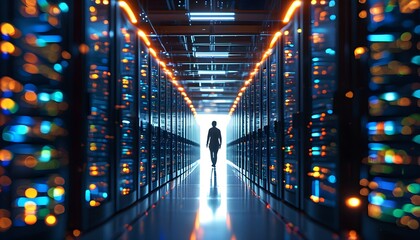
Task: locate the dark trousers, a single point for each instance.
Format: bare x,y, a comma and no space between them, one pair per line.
213,155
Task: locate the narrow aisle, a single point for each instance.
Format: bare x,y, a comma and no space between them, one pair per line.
209,204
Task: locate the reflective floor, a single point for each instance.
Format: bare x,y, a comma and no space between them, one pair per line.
209,203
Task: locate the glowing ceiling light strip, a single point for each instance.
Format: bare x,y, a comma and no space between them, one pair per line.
210,18
144,37
128,11
212,14
291,10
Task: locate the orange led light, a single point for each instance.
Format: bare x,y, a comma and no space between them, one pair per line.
353,202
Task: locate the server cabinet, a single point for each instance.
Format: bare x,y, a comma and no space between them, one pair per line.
168,129
264,126
144,139
292,112
257,130
332,166
162,128
98,179
273,127
391,174
174,132
34,97
154,124
126,111
179,133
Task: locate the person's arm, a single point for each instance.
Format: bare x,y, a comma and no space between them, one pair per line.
220,142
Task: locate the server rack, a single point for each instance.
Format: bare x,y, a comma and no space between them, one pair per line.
175,154
391,172
292,112
273,127
162,128
264,125
98,181
154,125
257,130
333,169
126,111
144,147
168,129
33,120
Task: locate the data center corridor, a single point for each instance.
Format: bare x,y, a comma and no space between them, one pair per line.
105,106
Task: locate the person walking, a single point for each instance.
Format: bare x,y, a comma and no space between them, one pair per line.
214,142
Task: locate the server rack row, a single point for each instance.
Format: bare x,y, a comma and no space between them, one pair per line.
90,122
330,125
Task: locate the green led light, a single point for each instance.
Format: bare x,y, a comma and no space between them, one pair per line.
414,187
398,213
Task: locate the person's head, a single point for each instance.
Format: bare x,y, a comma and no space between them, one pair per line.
214,123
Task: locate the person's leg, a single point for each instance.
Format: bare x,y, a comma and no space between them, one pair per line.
212,156
215,156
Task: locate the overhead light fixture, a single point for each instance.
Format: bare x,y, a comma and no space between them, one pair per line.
212,90
211,54
208,72
212,16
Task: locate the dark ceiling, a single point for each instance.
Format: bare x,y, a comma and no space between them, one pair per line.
196,49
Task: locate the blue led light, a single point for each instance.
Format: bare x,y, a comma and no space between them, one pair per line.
316,134
50,38
390,96
87,195
57,96
58,68
386,185
41,187
63,6
20,202
330,111
41,42
44,97
315,59
20,129
316,153
376,200
30,87
416,60
416,139
332,179
40,28
317,81
316,148
316,188
104,195
381,38
330,51
316,116
331,3
373,100
417,29
45,127
416,94
389,128
333,17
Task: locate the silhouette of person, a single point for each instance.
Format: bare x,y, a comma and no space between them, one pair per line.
214,142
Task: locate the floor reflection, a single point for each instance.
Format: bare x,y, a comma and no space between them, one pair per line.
213,199
212,192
